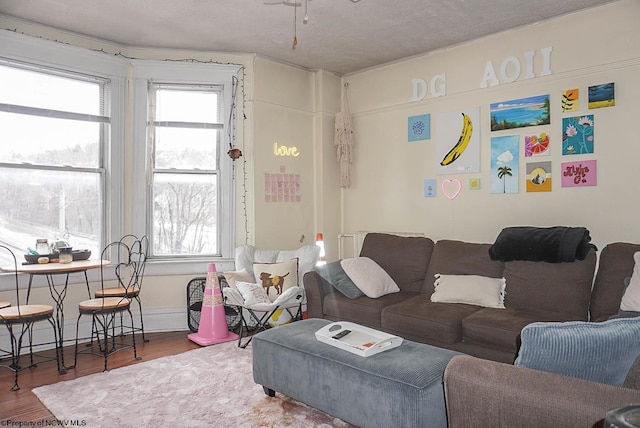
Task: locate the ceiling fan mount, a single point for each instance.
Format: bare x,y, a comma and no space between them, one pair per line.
295,4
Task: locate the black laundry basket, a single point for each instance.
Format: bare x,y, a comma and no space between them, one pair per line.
195,293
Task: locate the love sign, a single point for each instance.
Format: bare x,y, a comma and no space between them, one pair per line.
282,150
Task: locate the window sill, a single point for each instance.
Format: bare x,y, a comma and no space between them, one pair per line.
153,268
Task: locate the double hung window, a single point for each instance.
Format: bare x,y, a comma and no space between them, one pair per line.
53,128
184,140
181,133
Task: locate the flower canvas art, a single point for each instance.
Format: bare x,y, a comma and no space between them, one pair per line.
570,100
578,135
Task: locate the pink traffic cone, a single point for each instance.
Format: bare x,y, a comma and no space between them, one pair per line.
213,321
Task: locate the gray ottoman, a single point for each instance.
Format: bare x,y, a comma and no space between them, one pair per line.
401,387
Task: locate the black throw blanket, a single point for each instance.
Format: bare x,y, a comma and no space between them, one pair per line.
540,244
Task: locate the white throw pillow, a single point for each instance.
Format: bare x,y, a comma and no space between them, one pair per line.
631,297
238,275
369,277
470,289
276,277
252,293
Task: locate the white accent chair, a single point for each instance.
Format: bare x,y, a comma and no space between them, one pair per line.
292,299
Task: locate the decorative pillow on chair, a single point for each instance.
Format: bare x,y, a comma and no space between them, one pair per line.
239,275
369,277
252,294
598,351
247,255
470,289
335,274
307,256
276,277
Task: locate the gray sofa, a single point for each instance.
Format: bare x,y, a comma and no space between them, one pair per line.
535,291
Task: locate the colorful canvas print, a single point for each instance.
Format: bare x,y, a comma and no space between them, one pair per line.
531,111
538,177
430,188
419,127
474,184
580,173
577,135
570,100
536,145
602,95
504,164
458,141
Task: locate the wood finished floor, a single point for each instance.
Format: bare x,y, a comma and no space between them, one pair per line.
24,406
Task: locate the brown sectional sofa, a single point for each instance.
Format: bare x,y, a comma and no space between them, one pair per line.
483,393
535,291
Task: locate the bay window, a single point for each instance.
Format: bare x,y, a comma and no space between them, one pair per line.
66,159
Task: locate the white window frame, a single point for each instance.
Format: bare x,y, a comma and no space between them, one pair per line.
182,73
48,54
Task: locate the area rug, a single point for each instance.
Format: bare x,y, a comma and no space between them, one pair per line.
207,386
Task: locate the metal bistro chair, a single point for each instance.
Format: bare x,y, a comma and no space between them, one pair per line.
130,287
103,310
19,320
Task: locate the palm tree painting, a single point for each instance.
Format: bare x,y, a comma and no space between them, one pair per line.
504,164
503,172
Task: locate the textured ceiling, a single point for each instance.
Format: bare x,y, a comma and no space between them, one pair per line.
341,36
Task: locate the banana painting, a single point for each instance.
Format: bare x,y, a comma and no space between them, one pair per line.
463,141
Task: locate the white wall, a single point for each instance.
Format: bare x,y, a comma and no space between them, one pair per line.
327,170
283,115
592,47
295,107
282,104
